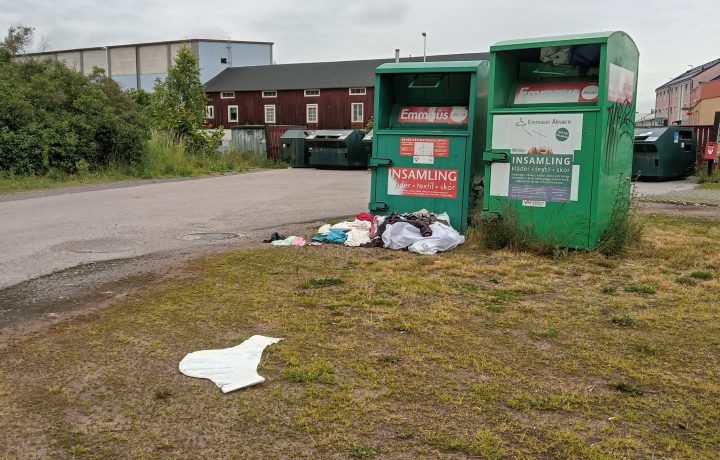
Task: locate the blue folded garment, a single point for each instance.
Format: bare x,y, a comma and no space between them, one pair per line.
335,237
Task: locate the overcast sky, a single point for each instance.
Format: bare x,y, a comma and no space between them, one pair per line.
670,34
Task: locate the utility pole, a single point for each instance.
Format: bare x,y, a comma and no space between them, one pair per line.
424,35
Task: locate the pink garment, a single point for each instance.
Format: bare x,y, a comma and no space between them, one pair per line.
299,241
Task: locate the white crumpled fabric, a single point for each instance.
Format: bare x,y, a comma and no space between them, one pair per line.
324,230
403,235
356,237
229,368
347,226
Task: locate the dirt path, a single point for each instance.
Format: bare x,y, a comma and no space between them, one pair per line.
678,210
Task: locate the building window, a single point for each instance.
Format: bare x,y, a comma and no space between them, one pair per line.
357,112
269,94
233,113
269,114
209,111
311,110
358,91
227,95
312,92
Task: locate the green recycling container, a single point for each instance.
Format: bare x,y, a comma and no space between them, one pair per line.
336,149
664,153
293,149
560,135
428,137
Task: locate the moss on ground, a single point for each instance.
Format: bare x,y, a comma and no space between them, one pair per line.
471,353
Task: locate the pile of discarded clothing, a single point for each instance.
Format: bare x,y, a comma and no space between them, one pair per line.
277,239
421,232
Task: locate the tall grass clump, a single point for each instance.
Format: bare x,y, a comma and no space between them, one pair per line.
625,227
164,155
705,178
507,231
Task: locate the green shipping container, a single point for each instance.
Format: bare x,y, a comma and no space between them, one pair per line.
429,119
664,153
560,134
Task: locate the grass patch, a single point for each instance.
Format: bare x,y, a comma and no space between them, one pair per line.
625,229
551,402
702,274
622,320
468,379
640,288
706,181
362,452
545,334
321,282
608,289
709,186
624,387
484,443
495,308
506,295
686,281
319,373
405,433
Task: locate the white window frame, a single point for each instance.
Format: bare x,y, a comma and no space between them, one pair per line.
312,95
307,113
269,93
231,95
237,114
360,91
274,113
210,111
352,112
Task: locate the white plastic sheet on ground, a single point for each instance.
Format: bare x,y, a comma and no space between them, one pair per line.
229,368
404,235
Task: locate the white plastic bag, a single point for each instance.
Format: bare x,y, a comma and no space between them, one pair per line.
229,368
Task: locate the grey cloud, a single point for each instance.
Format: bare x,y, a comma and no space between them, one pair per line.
335,29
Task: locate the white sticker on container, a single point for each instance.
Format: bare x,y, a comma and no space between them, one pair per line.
538,133
499,179
534,204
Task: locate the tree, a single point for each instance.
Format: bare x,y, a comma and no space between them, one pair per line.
52,117
178,103
18,38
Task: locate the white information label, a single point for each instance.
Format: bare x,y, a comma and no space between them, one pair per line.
533,204
424,159
424,153
538,133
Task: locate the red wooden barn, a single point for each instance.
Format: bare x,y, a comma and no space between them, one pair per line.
319,95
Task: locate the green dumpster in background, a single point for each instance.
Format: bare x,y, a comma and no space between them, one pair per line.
664,153
560,134
336,149
429,119
293,148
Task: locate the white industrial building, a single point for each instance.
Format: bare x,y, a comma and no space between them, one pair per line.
139,65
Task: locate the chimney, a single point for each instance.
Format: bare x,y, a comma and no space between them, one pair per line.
397,54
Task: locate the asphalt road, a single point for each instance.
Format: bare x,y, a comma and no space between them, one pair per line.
43,234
